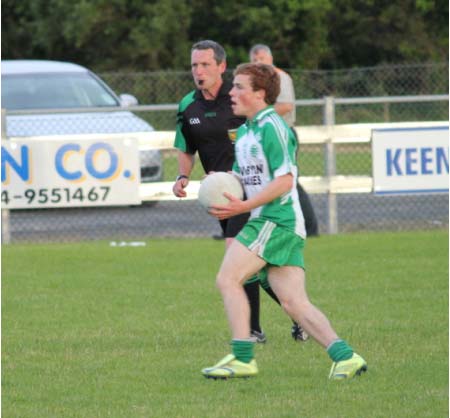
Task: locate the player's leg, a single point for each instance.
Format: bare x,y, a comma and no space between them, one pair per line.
297,332
251,287
288,282
238,265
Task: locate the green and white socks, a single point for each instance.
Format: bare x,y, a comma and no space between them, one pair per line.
242,350
339,350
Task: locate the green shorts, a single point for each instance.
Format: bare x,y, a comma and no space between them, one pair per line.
275,245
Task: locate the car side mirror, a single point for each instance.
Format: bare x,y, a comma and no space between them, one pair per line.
127,100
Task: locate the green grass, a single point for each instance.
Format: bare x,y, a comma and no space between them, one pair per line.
90,330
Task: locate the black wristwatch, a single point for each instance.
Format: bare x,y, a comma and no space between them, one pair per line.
181,176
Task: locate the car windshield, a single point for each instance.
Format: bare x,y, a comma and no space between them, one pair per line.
54,91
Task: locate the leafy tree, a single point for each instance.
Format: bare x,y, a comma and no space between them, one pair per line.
108,35
294,29
103,34
369,32
32,29
131,34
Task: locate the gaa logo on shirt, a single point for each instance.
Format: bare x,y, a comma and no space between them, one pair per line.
253,151
194,121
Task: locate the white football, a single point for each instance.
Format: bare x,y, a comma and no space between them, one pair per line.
214,185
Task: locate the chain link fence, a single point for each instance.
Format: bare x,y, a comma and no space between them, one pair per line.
393,80
177,218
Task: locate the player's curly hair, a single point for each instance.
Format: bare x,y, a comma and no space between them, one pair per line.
262,77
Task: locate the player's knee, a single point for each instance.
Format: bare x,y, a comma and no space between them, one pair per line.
222,282
225,282
292,304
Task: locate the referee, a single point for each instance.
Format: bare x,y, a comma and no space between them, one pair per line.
203,121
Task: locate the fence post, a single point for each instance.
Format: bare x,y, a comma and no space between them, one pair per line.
330,165
386,112
6,233
3,123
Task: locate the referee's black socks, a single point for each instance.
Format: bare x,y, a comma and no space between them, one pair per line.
252,291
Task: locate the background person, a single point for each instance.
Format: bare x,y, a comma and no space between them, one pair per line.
273,238
285,107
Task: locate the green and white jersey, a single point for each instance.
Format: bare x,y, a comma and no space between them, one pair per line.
265,149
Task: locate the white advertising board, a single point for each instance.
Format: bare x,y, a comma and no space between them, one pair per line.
68,173
410,160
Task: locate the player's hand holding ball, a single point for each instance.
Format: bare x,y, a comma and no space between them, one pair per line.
221,194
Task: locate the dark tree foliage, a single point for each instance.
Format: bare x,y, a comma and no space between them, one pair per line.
142,35
367,32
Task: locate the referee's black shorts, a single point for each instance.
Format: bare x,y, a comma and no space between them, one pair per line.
232,226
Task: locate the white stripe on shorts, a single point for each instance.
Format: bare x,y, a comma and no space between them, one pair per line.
263,237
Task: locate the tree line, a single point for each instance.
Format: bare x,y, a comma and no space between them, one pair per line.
152,35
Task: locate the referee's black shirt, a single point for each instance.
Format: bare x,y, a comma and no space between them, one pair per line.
202,125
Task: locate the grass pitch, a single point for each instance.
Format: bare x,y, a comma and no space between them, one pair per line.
90,330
